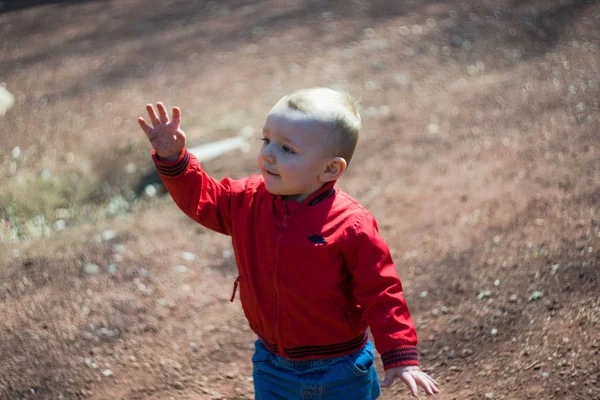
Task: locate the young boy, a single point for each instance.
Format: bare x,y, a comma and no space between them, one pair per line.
314,273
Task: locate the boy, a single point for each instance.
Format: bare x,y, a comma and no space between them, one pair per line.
314,272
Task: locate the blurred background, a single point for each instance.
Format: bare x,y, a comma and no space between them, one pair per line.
479,157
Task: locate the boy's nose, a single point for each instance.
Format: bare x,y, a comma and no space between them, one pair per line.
267,153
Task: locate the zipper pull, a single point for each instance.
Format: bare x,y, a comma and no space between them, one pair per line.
235,286
285,221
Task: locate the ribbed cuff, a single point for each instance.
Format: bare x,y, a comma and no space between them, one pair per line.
400,357
171,168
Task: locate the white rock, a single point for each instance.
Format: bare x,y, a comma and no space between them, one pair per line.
536,295
131,168
215,149
107,372
117,205
433,129
59,225
7,100
15,152
91,269
227,253
181,268
46,174
112,268
108,235
150,190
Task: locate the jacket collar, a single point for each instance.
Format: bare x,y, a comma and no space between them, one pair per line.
315,197
281,207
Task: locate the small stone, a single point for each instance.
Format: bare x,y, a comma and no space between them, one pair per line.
494,331
91,269
112,268
108,235
424,293
513,298
433,129
536,296
59,225
107,372
150,191
15,152
46,174
181,269
179,386
227,253
131,168
484,294
233,371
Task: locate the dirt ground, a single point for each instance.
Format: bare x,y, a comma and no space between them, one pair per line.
480,158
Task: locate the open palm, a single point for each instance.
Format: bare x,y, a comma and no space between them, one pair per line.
167,139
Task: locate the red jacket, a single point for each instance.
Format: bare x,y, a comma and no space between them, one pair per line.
312,276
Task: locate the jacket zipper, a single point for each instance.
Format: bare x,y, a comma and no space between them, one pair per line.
276,285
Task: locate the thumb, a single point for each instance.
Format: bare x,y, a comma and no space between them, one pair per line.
389,378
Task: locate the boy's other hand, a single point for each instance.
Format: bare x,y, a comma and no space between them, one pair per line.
412,376
167,139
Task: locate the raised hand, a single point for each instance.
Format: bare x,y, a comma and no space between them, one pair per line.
167,139
411,376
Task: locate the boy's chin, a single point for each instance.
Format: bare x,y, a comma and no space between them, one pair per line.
276,191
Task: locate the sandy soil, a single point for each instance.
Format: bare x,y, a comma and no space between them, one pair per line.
479,157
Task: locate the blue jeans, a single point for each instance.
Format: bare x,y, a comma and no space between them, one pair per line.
351,377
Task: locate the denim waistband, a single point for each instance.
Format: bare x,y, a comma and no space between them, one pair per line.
302,365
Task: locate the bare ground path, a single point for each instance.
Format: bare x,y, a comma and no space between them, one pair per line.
479,158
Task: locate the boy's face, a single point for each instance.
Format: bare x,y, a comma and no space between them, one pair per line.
294,155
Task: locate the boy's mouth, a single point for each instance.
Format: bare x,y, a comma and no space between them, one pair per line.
267,172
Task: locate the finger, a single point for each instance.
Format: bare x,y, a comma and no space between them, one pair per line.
176,116
426,383
410,382
433,381
162,111
147,128
152,114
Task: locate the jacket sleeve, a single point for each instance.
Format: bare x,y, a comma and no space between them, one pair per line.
201,197
378,290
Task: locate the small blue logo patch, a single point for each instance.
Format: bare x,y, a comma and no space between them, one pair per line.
317,239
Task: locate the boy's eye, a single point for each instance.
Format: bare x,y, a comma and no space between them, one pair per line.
266,140
287,149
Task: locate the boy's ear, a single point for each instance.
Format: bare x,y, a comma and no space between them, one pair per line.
334,169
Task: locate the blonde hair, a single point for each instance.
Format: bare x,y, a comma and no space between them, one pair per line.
333,107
